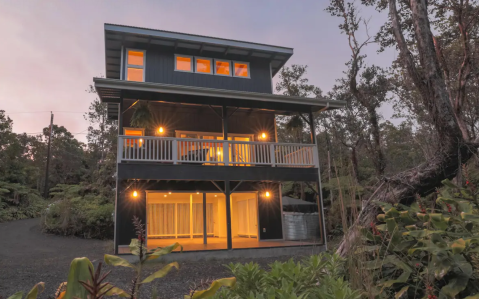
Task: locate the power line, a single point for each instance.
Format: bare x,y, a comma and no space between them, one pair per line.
26,112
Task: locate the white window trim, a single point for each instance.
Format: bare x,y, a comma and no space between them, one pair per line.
191,63
216,134
143,67
222,60
242,62
211,66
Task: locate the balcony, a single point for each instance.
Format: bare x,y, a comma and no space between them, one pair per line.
215,152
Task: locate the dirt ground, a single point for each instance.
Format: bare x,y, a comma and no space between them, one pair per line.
28,256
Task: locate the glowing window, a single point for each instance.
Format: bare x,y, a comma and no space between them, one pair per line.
222,68
133,132
203,65
241,69
183,63
135,65
136,58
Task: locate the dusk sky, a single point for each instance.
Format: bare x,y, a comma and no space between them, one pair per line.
52,49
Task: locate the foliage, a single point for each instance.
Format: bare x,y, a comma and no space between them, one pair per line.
19,202
142,116
79,210
318,276
428,250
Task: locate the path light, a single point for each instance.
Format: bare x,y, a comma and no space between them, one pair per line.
135,193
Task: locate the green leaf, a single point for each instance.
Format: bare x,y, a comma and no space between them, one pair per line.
455,285
117,261
465,206
401,292
458,246
135,247
392,213
442,263
382,227
438,221
381,217
449,184
79,270
473,297
470,217
224,282
161,273
463,264
410,227
17,295
406,218
156,253
407,270
423,217
37,289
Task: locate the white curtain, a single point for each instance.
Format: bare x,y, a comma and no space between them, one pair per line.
161,219
183,219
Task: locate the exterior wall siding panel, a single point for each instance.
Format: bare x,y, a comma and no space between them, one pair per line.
160,68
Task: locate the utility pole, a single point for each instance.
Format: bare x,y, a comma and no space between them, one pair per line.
45,191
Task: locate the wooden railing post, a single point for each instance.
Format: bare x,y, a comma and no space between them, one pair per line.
119,153
315,156
226,153
174,148
272,154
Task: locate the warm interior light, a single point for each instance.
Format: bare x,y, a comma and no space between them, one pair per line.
216,195
135,194
165,195
169,192
160,130
267,194
219,153
197,192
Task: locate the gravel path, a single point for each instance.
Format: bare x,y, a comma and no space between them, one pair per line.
28,256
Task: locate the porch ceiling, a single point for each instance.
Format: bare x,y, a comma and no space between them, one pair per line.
112,90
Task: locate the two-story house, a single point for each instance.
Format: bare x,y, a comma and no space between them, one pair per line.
207,169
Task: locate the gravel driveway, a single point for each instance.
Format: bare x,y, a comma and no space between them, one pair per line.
28,256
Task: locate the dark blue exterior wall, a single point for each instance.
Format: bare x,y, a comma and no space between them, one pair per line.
160,68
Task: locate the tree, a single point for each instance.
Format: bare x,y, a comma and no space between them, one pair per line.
409,29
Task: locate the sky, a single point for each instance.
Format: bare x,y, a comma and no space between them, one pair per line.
52,49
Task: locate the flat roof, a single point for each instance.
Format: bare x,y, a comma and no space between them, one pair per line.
117,35
112,90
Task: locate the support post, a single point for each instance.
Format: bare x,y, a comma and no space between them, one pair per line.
174,149
45,191
118,185
226,158
205,233
229,237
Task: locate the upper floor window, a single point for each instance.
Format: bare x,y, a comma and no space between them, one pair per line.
203,65
241,69
222,67
183,63
135,65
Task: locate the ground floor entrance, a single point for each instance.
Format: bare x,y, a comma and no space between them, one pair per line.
198,221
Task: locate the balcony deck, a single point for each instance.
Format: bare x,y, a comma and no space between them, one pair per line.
208,152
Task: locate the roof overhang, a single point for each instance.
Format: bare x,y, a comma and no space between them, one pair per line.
117,35
112,91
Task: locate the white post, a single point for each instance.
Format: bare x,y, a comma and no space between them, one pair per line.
175,151
315,156
119,153
226,153
271,153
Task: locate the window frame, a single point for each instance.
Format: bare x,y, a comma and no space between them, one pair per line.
242,62
223,60
127,65
192,63
211,65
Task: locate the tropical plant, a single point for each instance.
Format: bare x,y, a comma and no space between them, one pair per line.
142,116
318,276
425,251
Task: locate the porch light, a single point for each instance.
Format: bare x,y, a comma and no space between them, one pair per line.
169,192
197,192
135,193
267,194
263,136
160,130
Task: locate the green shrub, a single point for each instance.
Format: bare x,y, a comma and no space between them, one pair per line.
428,251
76,212
19,202
318,276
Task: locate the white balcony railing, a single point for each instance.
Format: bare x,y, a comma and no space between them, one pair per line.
215,152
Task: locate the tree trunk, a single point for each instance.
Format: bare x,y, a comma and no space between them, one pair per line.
354,162
426,177
380,163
